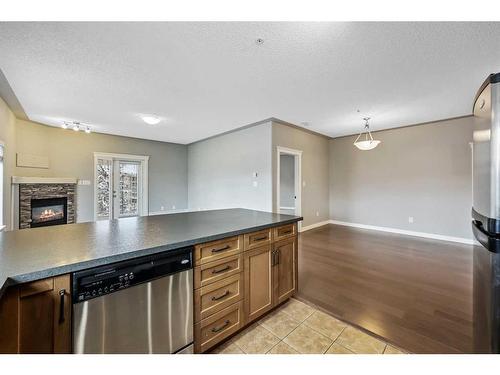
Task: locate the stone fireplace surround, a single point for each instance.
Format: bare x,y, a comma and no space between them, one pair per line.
40,188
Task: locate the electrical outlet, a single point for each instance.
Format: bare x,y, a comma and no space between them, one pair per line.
162,208
317,213
410,219
173,207
255,184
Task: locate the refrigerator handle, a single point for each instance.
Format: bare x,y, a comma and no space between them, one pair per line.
479,233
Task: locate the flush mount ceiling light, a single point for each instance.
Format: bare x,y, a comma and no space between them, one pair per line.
151,119
259,41
368,143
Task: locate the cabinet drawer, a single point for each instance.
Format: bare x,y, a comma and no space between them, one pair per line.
257,239
217,327
284,231
209,273
210,251
215,297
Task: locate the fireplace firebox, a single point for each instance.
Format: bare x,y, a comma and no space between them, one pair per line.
49,211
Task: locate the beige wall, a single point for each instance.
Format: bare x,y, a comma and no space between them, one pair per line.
315,172
7,136
71,155
420,171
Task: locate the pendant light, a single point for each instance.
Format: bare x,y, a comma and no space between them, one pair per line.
368,143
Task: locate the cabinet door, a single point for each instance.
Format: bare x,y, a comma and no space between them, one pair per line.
258,282
285,269
44,316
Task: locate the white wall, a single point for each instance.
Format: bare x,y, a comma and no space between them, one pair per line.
220,170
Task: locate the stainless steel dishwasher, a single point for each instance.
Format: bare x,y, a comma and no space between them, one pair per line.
144,305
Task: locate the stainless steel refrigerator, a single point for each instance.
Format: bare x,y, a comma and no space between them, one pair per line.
486,216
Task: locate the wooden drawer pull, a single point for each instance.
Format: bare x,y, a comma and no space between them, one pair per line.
217,329
225,294
261,238
220,249
288,231
221,270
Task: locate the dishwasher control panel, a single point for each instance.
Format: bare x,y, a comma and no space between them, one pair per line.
107,279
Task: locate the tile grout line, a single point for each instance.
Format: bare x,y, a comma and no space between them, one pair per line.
334,341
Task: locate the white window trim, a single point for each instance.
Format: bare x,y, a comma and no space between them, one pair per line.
298,178
144,160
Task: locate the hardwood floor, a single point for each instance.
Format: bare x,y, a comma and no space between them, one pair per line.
413,292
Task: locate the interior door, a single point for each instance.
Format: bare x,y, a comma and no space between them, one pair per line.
126,188
285,269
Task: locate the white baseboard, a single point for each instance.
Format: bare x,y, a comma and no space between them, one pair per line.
466,241
165,212
316,225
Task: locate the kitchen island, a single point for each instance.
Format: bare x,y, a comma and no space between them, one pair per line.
36,264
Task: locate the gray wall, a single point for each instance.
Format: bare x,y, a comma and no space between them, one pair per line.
420,171
287,181
315,172
221,170
71,155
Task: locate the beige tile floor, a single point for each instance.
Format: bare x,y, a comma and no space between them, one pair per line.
297,328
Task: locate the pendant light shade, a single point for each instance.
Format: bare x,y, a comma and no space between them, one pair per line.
367,142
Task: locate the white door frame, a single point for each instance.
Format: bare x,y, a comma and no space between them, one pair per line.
298,178
144,161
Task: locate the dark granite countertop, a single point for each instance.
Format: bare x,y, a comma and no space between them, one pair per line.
33,254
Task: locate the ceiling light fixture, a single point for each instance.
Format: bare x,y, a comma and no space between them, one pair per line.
76,126
259,41
151,119
369,143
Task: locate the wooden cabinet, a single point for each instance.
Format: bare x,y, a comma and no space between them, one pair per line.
270,274
210,251
37,317
217,327
284,269
284,231
258,282
214,297
257,239
239,279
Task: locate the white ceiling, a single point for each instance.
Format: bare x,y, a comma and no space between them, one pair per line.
207,78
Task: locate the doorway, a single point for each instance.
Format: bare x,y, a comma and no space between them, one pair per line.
288,181
120,186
